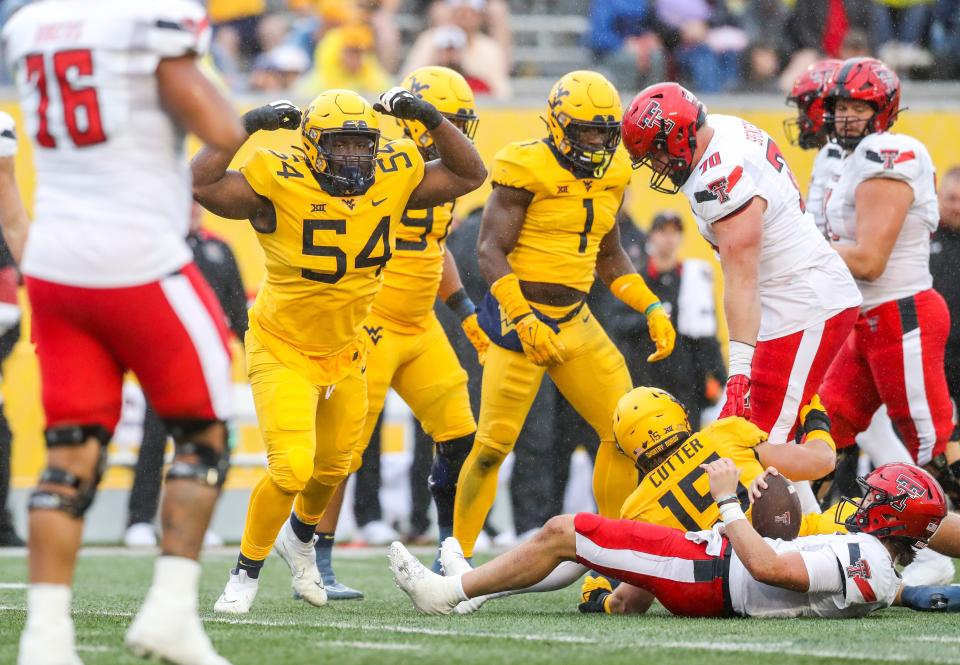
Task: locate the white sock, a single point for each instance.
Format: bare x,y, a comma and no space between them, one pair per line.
176,577
48,603
458,587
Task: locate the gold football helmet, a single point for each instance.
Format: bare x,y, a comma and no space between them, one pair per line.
648,424
583,116
450,93
340,133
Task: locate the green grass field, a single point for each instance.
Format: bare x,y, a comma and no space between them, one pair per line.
527,630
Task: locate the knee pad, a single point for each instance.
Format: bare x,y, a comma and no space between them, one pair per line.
76,505
290,469
211,466
948,475
447,462
333,471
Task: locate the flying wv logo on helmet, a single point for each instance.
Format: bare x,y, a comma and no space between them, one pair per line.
910,490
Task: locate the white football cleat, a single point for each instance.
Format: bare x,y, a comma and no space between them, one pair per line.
238,595
302,560
929,568
168,628
140,534
430,593
48,644
378,533
455,564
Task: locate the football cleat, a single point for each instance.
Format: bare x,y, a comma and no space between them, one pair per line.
168,628
929,568
430,593
454,564
140,534
594,594
50,643
238,595
302,560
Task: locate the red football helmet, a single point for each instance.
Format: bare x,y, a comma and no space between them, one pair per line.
868,80
899,500
660,131
806,130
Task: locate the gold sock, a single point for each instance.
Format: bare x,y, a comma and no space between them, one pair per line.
269,507
476,492
614,479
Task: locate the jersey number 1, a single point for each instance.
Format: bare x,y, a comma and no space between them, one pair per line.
77,102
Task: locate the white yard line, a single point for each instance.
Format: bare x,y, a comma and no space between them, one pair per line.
787,649
376,646
12,585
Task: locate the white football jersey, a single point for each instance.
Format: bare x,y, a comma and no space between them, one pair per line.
867,580
802,280
898,157
113,183
826,170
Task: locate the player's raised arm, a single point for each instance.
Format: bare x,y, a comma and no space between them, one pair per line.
618,273
739,241
13,216
459,170
788,570
815,457
226,192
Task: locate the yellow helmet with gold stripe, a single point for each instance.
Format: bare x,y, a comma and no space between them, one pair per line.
340,133
583,116
648,424
450,93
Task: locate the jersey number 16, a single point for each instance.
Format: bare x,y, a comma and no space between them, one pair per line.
81,108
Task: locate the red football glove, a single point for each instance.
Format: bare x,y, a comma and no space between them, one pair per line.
738,397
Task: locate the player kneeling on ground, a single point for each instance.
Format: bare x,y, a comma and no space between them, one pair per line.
734,572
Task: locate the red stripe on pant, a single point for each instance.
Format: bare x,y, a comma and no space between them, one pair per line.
775,361
895,356
675,570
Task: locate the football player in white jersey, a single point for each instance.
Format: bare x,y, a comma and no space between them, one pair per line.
720,573
108,88
789,300
881,212
807,131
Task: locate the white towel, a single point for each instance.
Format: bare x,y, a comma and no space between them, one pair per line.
698,311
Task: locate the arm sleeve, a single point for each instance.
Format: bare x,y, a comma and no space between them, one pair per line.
884,157
177,28
823,570
259,173
510,170
723,191
8,136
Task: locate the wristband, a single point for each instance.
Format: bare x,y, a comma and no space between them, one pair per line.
632,290
652,308
741,358
730,498
460,304
731,512
507,292
821,435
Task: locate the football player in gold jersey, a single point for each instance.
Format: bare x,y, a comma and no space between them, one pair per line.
548,227
653,432
326,214
409,350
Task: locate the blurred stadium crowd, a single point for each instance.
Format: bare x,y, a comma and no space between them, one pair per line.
304,46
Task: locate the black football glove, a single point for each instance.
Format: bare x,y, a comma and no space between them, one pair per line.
403,104
281,114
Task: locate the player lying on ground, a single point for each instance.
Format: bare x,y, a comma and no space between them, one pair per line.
735,572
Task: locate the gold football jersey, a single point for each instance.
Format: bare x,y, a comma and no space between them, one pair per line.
567,217
411,279
326,257
677,493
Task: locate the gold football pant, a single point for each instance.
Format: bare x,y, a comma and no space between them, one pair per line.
425,372
310,432
593,378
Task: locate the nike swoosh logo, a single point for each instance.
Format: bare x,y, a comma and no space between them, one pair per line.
376,203
585,318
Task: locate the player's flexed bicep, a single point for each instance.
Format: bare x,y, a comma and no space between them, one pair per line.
500,227
459,170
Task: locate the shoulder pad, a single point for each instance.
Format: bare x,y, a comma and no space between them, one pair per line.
516,164
722,190
175,28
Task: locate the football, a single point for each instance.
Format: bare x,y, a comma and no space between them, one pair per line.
776,513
